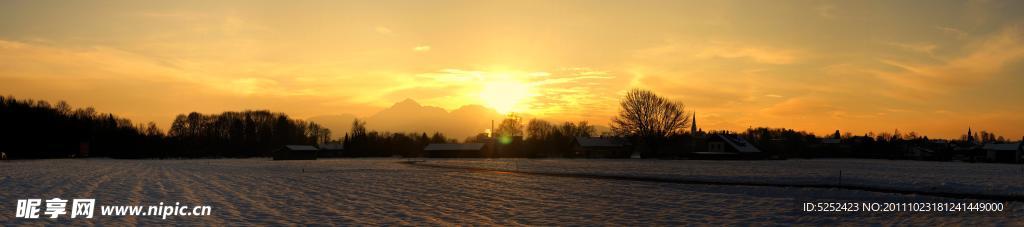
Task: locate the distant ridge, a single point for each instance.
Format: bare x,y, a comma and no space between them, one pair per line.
410,116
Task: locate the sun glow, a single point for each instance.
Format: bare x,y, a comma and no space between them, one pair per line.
507,95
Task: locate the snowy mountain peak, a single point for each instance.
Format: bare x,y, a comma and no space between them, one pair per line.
408,102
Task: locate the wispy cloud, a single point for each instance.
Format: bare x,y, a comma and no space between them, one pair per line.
711,50
737,65
957,33
924,47
765,55
200,22
988,58
826,11
383,30
565,93
101,74
799,106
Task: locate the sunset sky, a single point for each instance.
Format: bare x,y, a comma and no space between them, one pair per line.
934,67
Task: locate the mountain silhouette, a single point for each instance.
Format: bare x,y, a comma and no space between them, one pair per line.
410,116
338,124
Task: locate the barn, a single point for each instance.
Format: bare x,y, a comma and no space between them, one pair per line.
1004,152
296,152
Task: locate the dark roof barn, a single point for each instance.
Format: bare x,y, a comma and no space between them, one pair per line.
296,152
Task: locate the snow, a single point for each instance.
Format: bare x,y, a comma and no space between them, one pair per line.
921,176
385,191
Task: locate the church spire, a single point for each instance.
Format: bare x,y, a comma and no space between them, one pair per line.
970,138
693,124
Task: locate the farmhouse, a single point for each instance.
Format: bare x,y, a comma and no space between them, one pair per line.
599,147
723,146
454,150
1004,152
296,152
829,147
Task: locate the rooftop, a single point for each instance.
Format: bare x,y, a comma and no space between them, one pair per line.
300,147
454,147
1002,146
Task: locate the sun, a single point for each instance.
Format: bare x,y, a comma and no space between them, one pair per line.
507,95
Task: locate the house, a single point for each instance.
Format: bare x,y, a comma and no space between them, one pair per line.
83,149
296,152
933,150
1004,152
330,150
829,147
921,153
599,147
968,153
968,150
723,146
454,150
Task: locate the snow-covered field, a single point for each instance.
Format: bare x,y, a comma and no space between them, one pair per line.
385,191
921,176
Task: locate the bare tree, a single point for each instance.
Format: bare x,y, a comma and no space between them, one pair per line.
63,107
358,128
538,128
583,128
646,114
152,130
511,126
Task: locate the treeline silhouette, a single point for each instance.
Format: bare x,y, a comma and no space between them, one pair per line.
37,129
249,133
543,138
546,140
788,143
360,142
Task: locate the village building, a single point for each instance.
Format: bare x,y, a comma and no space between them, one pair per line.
829,147
968,153
1004,152
83,150
454,150
724,146
934,150
296,152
